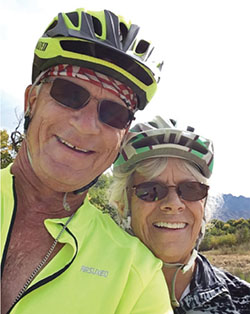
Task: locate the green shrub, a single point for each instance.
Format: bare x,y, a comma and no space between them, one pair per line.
231,233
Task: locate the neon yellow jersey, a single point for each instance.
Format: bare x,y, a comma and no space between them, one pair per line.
100,269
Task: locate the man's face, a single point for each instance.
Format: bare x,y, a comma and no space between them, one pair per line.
68,147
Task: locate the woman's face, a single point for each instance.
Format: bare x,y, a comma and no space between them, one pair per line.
168,227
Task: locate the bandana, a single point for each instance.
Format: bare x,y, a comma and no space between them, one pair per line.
101,80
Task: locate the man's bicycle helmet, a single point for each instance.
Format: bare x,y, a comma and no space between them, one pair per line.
103,42
159,138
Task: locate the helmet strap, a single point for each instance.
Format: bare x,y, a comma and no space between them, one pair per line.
86,187
201,234
27,120
184,268
126,210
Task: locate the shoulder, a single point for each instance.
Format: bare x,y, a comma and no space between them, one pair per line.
237,287
6,183
110,233
6,173
139,270
234,283
216,290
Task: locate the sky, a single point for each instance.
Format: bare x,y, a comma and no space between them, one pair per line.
205,79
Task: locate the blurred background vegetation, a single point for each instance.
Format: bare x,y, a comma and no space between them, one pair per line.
220,234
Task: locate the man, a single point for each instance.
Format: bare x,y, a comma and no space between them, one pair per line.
59,253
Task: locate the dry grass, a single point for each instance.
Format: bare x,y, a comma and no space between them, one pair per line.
236,261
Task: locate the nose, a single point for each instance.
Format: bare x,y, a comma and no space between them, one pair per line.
172,203
85,120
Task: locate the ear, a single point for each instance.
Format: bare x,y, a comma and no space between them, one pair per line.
29,97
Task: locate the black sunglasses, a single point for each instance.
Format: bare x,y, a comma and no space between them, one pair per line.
155,191
71,95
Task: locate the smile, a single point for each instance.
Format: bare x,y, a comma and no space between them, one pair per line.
76,148
170,225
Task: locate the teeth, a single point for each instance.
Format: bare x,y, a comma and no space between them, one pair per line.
72,146
169,225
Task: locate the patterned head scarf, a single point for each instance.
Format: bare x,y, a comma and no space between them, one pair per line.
112,85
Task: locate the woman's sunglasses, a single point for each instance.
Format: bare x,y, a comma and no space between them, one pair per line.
155,191
71,95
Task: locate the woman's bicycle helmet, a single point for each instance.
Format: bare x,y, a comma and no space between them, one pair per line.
159,138
103,42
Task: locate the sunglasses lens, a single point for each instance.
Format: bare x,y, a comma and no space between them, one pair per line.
114,114
192,191
74,96
69,94
155,191
151,191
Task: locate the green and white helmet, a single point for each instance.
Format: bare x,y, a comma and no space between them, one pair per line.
160,138
103,42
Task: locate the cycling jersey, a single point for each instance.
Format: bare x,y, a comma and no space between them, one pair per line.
213,290
100,269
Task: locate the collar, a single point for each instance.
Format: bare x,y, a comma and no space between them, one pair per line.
205,285
76,228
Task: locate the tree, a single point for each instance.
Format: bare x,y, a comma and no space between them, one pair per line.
10,146
243,234
6,149
99,195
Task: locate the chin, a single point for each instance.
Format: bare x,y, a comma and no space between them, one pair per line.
61,179
174,256
60,186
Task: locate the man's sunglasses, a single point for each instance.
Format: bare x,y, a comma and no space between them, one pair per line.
71,95
155,191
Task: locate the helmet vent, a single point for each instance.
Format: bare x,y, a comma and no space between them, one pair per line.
97,26
123,32
103,53
142,46
183,140
199,148
52,25
153,124
74,19
172,138
149,141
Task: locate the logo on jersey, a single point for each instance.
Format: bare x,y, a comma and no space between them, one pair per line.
94,271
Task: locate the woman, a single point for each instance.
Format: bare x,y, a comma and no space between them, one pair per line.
160,189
